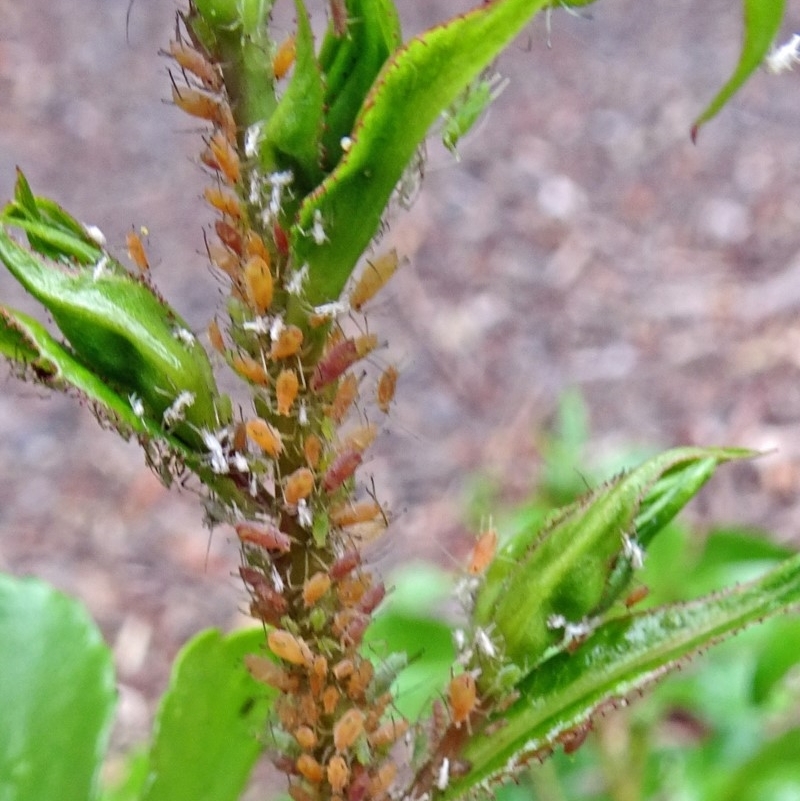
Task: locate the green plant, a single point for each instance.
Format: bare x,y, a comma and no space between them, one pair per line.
305,167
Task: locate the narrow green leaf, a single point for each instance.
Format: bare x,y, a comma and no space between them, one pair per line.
762,21
619,659
415,86
206,734
56,695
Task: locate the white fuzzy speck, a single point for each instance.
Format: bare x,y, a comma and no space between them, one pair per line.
295,284
100,267
219,464
136,404
304,516
177,411
443,778
252,137
783,58
317,230
633,551
485,644
345,143
184,335
95,234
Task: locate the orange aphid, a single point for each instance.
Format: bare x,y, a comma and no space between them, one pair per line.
298,793
636,595
312,450
194,61
333,363
198,104
305,737
225,158
463,695
267,672
346,393
360,438
286,388
258,283
330,698
254,246
224,202
267,437
288,343
387,384
483,552
341,469
351,589
352,514
136,251
284,57
341,670
264,535
309,768
383,780
373,279
299,485
348,729
289,648
215,337
319,672
359,681
388,733
247,367
229,236
573,739
224,260
315,587
338,773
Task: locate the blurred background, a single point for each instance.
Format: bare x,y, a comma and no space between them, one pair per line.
582,242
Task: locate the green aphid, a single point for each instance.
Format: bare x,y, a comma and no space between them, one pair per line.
469,106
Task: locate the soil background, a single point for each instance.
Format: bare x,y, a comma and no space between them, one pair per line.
582,242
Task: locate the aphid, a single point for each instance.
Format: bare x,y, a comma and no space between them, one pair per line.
267,672
373,279
348,729
315,587
338,773
195,62
289,648
573,739
229,236
215,337
254,246
247,367
341,469
199,104
339,17
258,283
462,693
351,589
298,793
387,733
136,251
224,260
225,158
288,343
383,780
267,437
224,202
284,57
346,393
387,384
359,682
305,737
344,564
264,535
636,595
360,438
307,709
281,239
352,514
287,386
372,598
330,699
309,768
343,669
354,632
483,552
312,450
339,358
299,485
469,106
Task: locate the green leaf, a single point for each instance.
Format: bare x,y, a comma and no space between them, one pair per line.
418,82
618,660
56,695
762,21
206,734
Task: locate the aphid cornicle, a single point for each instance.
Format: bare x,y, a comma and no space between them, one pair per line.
136,251
373,279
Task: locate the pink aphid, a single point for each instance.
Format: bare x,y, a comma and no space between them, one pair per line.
342,468
264,535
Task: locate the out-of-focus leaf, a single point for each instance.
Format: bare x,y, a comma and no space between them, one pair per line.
762,20
56,695
206,734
